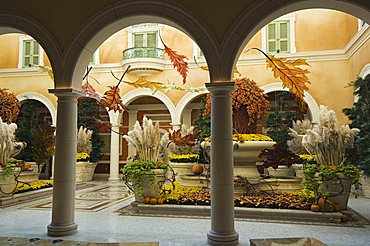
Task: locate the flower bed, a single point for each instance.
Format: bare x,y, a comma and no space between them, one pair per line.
41,184
193,196
184,158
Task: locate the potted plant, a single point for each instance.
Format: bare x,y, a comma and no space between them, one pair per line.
331,176
250,106
43,144
146,175
278,161
296,132
84,169
88,117
360,115
8,148
184,150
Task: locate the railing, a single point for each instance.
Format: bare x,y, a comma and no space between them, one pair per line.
143,52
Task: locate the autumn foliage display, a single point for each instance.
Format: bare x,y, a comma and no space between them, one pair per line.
9,106
249,103
178,62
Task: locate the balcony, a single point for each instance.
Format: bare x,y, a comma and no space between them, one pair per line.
144,61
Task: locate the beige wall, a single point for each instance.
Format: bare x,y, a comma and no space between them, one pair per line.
9,46
111,50
323,29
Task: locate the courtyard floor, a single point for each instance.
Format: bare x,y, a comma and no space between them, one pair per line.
99,221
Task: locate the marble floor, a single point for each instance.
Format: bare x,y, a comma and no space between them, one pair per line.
102,224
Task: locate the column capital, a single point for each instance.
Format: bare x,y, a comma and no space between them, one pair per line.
221,87
66,92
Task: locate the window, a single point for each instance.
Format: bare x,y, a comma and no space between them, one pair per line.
144,40
30,52
278,36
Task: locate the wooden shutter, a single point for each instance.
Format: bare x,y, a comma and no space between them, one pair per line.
283,41
138,40
151,40
271,38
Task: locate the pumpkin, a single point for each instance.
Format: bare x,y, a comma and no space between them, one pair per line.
153,201
315,208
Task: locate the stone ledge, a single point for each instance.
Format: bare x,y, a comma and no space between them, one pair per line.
304,241
243,213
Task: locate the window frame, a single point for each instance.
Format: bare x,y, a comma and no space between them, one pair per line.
21,54
291,19
145,28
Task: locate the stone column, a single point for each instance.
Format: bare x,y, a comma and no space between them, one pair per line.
175,126
222,185
114,147
186,117
63,210
132,118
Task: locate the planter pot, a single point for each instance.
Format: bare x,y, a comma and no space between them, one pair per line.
246,156
181,168
281,184
281,171
194,181
28,176
81,167
298,168
151,189
365,183
7,183
338,192
89,171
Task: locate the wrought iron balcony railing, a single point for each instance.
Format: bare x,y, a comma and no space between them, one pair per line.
143,52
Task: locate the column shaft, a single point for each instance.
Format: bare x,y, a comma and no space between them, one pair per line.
114,154
222,184
63,209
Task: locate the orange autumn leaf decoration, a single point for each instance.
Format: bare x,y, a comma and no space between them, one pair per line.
189,139
143,82
293,77
112,99
90,91
178,61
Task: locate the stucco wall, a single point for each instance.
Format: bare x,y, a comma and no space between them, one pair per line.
9,46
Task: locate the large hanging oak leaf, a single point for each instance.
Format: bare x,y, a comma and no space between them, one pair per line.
293,77
90,91
142,82
178,62
112,99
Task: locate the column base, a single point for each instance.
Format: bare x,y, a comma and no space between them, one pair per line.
114,180
215,238
62,230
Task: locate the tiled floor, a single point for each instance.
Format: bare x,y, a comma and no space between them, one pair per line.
104,226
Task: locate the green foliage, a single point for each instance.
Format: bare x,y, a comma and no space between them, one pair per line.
27,121
280,119
360,115
7,169
203,121
43,143
135,173
88,112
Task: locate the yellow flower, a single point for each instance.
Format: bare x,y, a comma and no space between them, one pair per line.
247,137
184,157
82,156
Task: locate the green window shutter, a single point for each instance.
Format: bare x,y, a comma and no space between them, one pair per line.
138,40
31,53
271,38
283,41
200,53
151,40
278,37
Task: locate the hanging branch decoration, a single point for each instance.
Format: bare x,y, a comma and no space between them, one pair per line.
143,82
189,139
178,61
88,88
205,68
48,70
293,77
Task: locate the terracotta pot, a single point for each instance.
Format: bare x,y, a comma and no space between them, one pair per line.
197,169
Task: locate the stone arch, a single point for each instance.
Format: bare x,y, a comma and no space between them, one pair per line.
185,100
43,100
252,19
365,71
134,94
123,14
313,107
15,22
